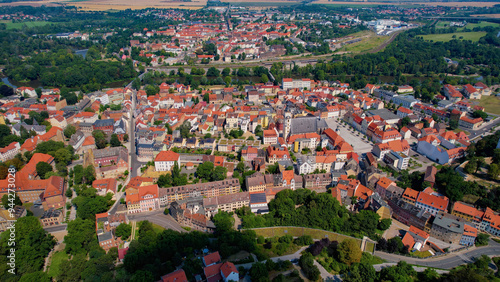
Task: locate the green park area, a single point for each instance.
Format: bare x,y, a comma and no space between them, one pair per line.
491,104
445,37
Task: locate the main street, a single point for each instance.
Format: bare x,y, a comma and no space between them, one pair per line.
448,261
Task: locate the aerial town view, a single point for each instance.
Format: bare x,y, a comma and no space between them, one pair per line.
246,140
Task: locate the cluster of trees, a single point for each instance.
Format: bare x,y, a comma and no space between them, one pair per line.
260,271
81,175
414,180
63,155
313,210
451,184
64,68
32,246
207,171
311,271
155,254
101,139
88,203
393,245
175,179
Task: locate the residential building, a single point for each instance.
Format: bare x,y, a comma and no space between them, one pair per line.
165,160
227,203
447,228
469,236
277,153
176,276
142,199
208,189
397,160
469,123
51,217
9,152
431,201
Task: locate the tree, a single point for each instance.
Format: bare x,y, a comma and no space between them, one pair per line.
400,272
482,239
213,72
8,204
63,156
115,142
42,168
360,272
471,166
494,171
259,272
479,114
69,193
223,222
205,170
100,139
349,252
384,224
69,131
264,78
124,231
405,121
311,271
165,181
33,244
89,174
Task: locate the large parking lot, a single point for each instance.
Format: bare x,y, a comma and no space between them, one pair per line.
354,138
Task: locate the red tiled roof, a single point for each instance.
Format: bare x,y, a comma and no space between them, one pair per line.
176,276
211,258
167,156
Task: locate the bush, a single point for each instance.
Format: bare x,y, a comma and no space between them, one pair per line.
304,240
482,239
310,270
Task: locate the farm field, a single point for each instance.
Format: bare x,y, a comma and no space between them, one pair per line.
11,25
474,36
496,16
450,4
104,5
260,3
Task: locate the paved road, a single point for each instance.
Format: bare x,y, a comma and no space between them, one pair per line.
483,129
379,267
157,217
449,261
57,228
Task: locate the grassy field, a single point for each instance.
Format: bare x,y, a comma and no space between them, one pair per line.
55,261
314,233
491,104
421,254
474,36
158,229
364,45
444,24
11,25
